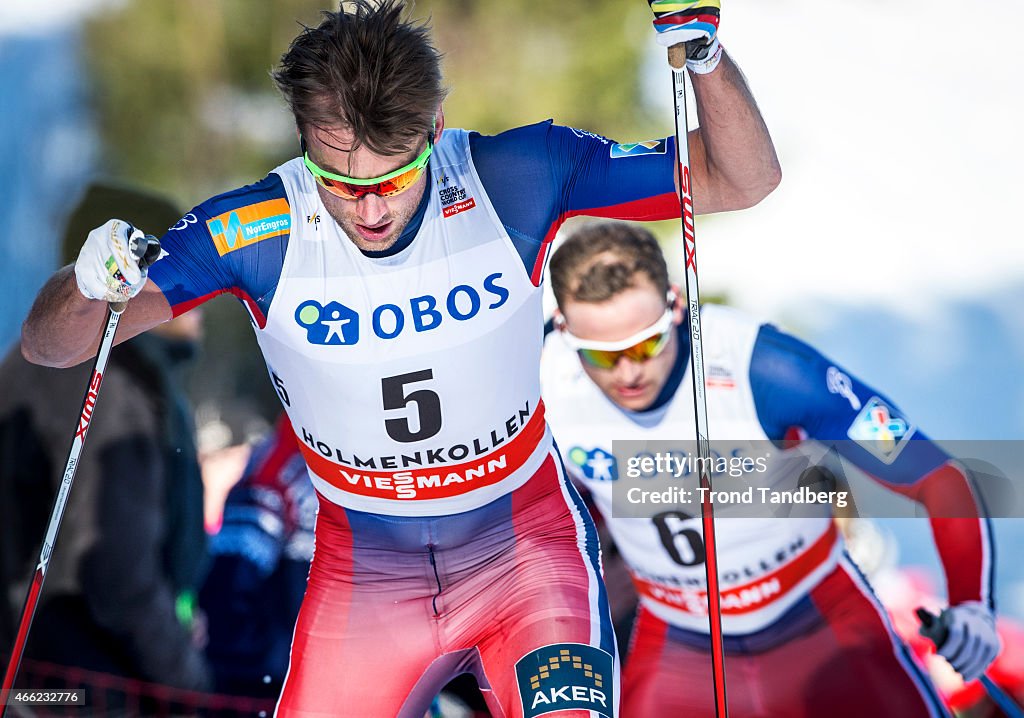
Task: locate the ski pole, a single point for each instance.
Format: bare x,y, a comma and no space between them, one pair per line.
146,252
677,60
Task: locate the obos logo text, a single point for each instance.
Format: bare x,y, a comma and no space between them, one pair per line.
335,324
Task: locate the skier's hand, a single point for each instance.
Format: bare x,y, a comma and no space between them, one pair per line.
108,266
972,643
694,22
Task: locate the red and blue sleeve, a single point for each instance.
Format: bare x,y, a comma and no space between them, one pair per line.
234,243
540,175
796,389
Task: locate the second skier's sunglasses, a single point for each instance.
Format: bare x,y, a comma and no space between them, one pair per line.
388,185
640,347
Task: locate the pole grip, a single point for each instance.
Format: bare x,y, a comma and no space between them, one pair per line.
933,627
677,56
146,252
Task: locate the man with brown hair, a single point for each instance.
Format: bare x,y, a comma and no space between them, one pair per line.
392,273
804,634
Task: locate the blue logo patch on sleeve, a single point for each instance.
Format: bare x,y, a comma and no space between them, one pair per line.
636,149
881,430
566,676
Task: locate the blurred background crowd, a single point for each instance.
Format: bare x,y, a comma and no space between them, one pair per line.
892,244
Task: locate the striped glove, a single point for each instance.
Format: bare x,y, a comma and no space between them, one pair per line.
694,22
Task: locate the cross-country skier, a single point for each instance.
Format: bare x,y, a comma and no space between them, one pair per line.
804,634
392,273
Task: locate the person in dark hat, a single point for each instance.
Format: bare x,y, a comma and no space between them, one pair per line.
119,596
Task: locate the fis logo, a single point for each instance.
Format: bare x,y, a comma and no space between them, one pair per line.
565,676
249,224
596,464
334,324
881,430
454,199
314,219
329,324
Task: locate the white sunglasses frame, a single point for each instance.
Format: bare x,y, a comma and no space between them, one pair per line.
663,325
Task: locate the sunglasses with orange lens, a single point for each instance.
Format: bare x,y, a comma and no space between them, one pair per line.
640,347
388,185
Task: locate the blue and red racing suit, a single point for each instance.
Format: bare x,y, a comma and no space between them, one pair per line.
804,634
448,539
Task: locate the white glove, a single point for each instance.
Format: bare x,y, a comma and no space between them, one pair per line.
107,268
973,642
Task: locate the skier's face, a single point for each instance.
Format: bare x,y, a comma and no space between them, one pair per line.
631,383
373,222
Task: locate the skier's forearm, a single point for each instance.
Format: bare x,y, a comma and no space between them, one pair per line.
63,327
960,529
961,532
732,156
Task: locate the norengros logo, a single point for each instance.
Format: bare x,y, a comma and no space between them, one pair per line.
249,224
335,324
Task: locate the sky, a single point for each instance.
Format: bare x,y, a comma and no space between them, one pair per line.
901,153
29,17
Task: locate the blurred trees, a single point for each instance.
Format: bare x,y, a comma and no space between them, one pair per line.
185,106
185,103
513,63
182,95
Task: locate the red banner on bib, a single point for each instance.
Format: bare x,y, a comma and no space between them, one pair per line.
424,483
748,597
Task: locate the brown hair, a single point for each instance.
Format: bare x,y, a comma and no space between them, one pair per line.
601,259
368,68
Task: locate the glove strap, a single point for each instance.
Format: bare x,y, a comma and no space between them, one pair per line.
706,59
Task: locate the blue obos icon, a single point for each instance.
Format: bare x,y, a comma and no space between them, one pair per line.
566,676
329,324
596,464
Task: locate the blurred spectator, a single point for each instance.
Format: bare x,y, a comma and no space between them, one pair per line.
261,558
222,467
120,591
